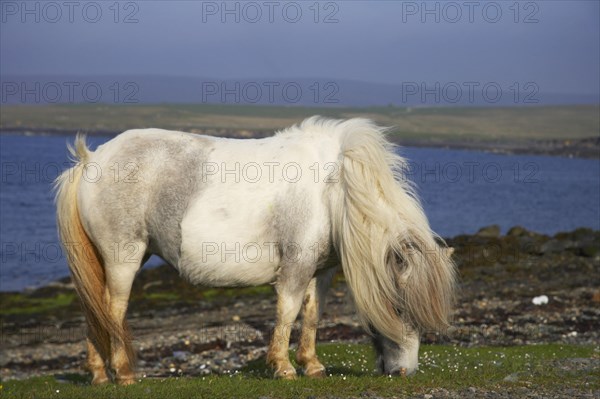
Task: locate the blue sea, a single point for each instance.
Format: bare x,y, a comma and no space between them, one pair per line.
461,191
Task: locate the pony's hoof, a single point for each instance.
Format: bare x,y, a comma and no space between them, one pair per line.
125,381
100,380
315,372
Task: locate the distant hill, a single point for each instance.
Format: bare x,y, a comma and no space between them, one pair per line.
318,92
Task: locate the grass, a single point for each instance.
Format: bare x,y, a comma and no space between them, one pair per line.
446,124
24,304
350,368
21,304
210,294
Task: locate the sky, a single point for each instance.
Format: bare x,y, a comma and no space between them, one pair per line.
552,43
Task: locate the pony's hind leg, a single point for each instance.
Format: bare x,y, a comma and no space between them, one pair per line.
314,300
119,279
95,364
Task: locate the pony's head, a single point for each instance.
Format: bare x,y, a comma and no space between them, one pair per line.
401,358
397,358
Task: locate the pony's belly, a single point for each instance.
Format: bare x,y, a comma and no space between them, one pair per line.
227,238
222,263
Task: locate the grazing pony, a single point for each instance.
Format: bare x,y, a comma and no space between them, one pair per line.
284,210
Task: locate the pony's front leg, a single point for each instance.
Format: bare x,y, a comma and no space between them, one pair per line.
314,301
291,285
288,307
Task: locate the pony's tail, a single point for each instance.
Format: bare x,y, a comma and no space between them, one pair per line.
397,272
83,257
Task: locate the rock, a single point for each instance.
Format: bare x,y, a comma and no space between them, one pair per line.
554,246
582,234
530,244
585,241
489,231
181,355
590,251
518,231
540,300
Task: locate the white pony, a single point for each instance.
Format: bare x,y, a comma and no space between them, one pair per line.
284,210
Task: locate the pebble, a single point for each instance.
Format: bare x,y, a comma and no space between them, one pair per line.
511,378
540,300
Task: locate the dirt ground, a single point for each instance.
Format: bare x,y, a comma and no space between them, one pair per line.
184,330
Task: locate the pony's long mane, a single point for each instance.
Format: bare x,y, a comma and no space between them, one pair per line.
394,266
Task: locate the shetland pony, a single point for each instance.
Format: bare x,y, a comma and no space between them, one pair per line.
284,210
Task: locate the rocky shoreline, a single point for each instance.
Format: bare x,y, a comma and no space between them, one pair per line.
185,330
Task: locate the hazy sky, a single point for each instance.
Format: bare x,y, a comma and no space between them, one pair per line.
553,43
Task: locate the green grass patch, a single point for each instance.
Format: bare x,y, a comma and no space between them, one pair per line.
48,304
204,294
162,296
22,304
351,375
